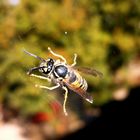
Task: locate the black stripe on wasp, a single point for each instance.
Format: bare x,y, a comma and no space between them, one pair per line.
63,75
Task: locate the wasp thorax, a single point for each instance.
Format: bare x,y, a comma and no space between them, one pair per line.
61,71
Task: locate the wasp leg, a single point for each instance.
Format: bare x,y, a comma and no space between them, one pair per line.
74,60
49,88
57,55
40,77
65,100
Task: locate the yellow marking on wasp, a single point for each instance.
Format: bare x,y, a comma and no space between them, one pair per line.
75,83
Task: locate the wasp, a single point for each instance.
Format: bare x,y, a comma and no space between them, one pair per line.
63,75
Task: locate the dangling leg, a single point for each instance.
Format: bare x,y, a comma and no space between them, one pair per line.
74,60
60,56
49,88
65,100
40,77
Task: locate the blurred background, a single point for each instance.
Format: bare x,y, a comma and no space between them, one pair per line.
106,36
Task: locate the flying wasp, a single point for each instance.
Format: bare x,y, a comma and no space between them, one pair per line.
63,75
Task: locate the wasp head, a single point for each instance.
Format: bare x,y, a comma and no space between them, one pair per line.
46,66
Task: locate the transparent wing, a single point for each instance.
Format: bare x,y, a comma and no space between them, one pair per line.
89,71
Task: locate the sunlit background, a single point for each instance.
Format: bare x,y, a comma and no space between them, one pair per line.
106,36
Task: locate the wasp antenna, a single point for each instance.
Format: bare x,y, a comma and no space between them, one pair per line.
33,55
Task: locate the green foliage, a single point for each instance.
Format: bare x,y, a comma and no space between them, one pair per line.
92,28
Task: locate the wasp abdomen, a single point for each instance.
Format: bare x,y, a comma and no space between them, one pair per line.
72,77
77,82
82,83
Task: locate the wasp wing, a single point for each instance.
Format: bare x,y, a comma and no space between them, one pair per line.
89,71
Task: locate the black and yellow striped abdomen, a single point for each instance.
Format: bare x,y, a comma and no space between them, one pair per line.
76,81
78,84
